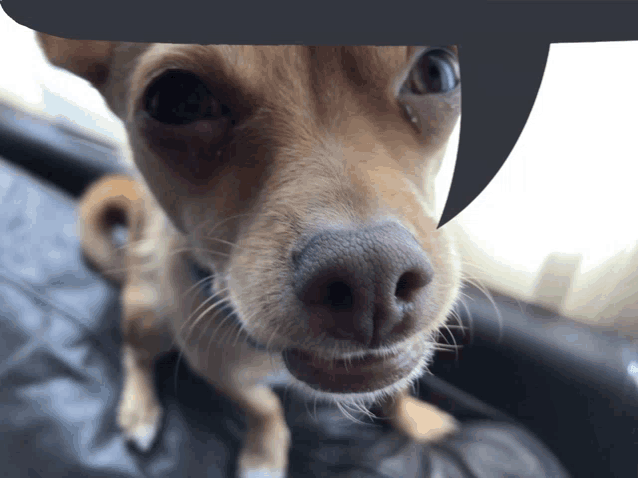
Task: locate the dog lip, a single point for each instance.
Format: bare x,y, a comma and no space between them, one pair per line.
358,375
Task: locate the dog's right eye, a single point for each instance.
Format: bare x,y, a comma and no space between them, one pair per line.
179,98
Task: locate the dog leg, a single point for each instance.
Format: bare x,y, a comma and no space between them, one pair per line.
139,413
267,441
421,421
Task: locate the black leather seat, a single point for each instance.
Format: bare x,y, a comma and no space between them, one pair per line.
60,372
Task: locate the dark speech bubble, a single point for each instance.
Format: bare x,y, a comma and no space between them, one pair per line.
503,47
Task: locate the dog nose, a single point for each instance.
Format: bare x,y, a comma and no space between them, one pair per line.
365,285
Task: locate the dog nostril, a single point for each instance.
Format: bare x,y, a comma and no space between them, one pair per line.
338,296
409,284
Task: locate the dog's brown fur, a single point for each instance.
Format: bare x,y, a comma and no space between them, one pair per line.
322,140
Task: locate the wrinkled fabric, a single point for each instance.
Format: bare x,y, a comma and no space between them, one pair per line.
60,379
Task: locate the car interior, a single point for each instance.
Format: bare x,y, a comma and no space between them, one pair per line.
537,394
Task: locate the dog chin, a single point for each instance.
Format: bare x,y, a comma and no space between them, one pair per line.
360,397
370,374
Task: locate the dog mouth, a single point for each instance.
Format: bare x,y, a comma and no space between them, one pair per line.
368,373
356,375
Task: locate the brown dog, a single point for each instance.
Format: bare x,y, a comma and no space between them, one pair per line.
300,181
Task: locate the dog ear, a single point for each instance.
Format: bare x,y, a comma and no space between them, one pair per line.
88,59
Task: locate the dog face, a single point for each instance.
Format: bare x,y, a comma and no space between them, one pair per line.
303,179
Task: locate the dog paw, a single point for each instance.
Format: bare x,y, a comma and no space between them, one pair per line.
143,435
265,452
445,427
140,418
423,422
262,473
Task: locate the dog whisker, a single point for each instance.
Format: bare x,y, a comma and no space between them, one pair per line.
219,303
315,407
461,299
232,245
334,356
442,335
415,388
189,319
211,318
197,249
218,297
272,336
240,329
451,335
223,221
444,348
187,337
454,347
196,285
345,412
488,295
213,337
459,327
349,409
181,353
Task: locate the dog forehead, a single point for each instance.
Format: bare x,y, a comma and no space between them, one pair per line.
249,65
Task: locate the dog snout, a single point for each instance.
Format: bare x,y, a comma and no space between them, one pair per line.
368,285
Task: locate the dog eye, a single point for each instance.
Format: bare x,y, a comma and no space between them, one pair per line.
436,71
178,98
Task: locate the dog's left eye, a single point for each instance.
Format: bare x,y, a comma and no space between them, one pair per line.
436,71
178,98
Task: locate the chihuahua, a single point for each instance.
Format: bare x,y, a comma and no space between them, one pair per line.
281,225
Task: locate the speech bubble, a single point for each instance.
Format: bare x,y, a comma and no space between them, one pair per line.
503,47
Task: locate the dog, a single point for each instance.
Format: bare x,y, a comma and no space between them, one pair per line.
281,222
